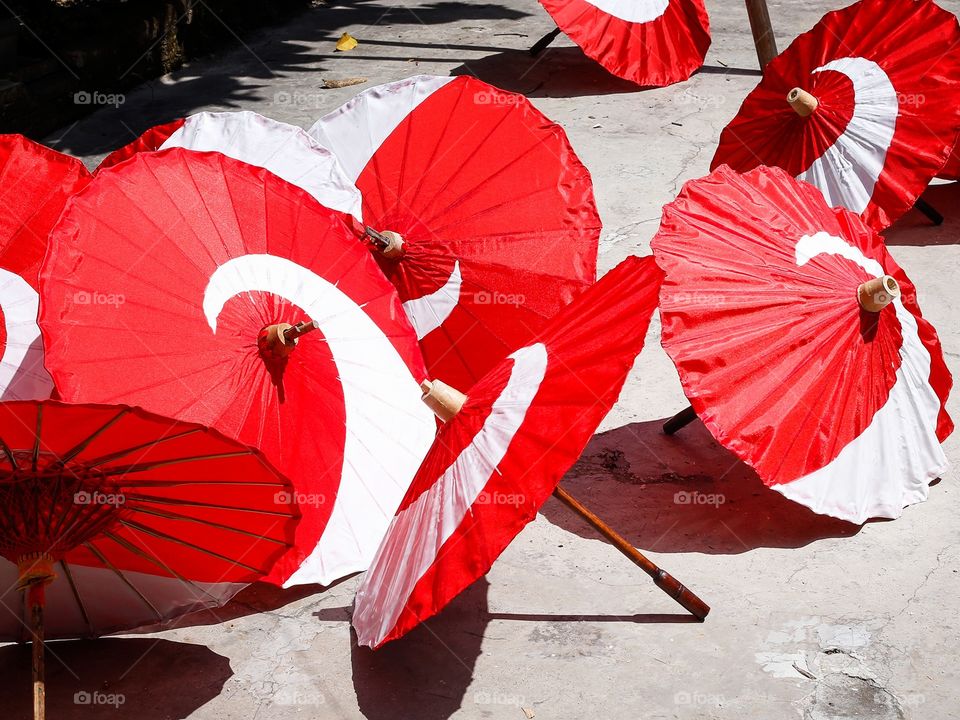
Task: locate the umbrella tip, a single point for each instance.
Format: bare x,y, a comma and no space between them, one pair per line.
874,295
444,400
802,102
389,243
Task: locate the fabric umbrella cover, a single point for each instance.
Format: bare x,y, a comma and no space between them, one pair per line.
149,141
496,213
129,518
165,287
837,407
650,42
495,463
35,183
875,118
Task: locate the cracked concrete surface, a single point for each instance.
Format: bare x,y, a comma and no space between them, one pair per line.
812,617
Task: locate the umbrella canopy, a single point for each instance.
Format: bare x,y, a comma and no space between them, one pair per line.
871,116
951,169
497,461
149,141
196,266
493,214
800,344
650,42
35,183
131,518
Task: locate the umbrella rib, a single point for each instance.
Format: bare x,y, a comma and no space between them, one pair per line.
123,578
35,456
170,538
76,596
212,506
9,454
83,444
208,523
143,467
127,451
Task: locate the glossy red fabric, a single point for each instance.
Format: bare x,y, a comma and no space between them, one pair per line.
917,46
170,498
590,346
123,311
778,359
149,141
660,52
477,176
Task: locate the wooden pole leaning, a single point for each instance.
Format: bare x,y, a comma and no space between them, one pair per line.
540,45
763,38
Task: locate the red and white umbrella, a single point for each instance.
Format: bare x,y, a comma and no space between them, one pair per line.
800,344
862,106
35,184
650,42
149,141
503,453
494,223
112,518
167,285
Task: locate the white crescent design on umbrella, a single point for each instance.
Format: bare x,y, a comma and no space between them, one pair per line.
22,374
437,513
635,11
429,312
849,169
895,458
378,391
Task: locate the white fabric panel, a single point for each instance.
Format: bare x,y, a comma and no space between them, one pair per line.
636,11
110,603
422,528
429,312
894,460
380,109
848,171
285,150
22,374
388,428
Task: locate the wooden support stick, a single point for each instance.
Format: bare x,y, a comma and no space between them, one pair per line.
661,578
931,212
763,37
540,45
35,602
680,420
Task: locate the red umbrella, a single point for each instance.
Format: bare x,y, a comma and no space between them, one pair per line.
862,106
114,518
650,42
195,266
490,216
35,183
800,344
149,141
501,456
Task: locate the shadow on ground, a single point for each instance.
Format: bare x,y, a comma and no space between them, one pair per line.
683,493
115,678
916,230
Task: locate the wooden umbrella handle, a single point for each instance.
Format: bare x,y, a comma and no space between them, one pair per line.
661,578
36,601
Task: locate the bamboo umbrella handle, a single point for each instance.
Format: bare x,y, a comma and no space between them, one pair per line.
763,38
680,420
35,601
661,578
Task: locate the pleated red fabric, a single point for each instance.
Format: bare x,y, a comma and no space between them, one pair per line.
498,460
149,141
162,276
649,42
836,407
885,76
496,212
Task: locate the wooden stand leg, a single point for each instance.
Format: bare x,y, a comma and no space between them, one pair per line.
661,578
540,45
35,603
931,212
763,37
680,420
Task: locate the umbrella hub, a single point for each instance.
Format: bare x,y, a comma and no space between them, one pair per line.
50,510
445,401
277,341
802,102
874,295
388,242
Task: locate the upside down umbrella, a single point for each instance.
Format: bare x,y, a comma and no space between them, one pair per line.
490,225
502,453
35,184
650,42
229,297
149,141
112,518
862,106
800,344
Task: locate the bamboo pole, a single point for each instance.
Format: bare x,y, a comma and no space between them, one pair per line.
763,38
36,601
680,420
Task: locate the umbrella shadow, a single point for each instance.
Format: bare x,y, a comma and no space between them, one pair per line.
915,229
562,72
684,493
146,678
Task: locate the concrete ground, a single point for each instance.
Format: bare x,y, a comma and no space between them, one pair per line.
812,617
